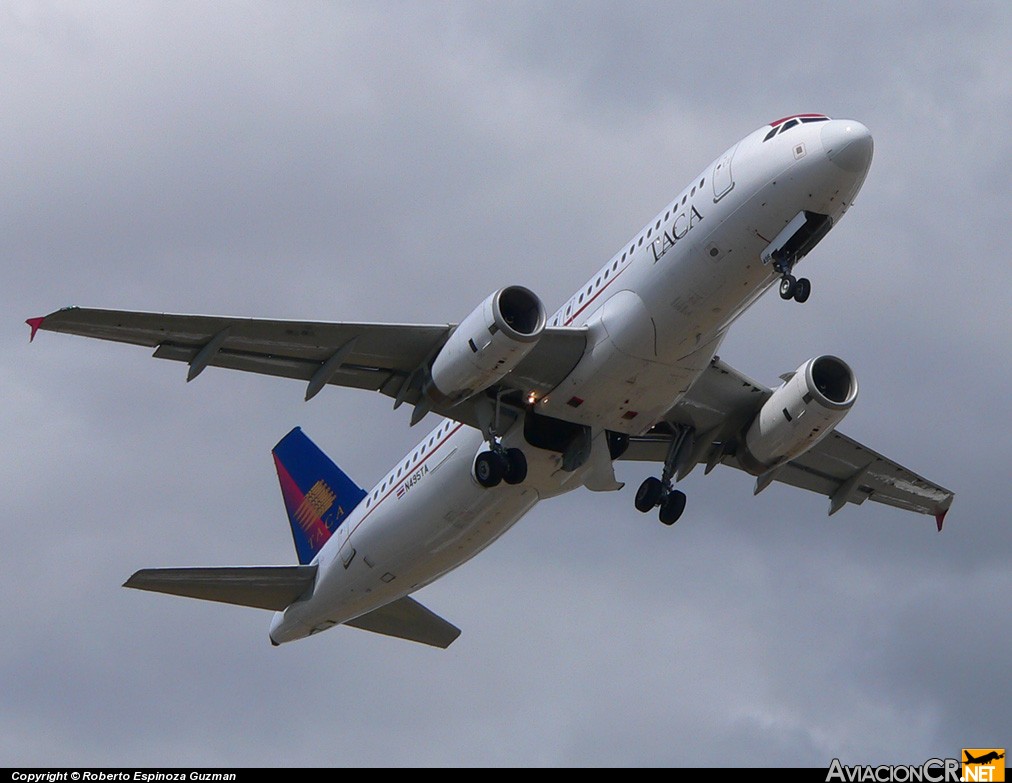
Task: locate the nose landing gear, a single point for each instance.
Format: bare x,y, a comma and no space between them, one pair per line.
798,289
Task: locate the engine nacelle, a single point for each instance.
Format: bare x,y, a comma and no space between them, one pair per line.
489,343
799,414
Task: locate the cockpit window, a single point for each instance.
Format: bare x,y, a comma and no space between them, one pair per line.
784,123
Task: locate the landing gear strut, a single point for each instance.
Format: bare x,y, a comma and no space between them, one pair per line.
798,289
659,492
498,464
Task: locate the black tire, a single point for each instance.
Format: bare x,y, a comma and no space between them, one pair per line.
787,285
672,508
516,466
489,468
802,290
648,495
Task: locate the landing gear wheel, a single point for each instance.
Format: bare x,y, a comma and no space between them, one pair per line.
489,468
787,285
802,290
649,494
672,507
516,466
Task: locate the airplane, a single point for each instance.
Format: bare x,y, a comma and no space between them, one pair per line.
534,406
987,758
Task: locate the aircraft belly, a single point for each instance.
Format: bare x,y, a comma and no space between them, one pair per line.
705,285
435,526
648,348
626,393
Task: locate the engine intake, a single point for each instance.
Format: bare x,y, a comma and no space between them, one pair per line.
804,410
489,343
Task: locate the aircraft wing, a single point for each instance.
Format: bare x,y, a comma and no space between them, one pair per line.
388,358
724,401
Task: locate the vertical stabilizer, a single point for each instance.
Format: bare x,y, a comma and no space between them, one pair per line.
318,494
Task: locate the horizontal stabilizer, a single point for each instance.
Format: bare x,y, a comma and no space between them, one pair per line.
262,587
405,618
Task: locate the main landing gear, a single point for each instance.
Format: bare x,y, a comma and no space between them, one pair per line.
659,492
500,464
798,289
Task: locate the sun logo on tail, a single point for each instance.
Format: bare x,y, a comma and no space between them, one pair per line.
314,505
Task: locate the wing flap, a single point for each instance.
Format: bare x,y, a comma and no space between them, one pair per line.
405,618
261,587
357,377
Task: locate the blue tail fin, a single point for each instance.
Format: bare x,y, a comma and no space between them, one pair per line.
318,495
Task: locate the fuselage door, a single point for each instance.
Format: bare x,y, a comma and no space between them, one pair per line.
722,179
345,549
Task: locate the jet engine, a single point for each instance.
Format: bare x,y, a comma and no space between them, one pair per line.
804,410
489,343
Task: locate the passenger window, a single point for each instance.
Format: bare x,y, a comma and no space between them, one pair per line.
701,183
631,249
658,225
667,216
640,242
693,193
683,200
649,233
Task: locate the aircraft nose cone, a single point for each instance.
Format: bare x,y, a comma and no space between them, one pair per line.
848,144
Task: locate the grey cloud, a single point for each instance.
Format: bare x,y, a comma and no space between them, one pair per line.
398,162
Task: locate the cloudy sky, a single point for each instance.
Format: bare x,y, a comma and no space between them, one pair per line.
399,161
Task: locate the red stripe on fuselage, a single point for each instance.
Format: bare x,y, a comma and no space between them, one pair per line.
407,475
595,296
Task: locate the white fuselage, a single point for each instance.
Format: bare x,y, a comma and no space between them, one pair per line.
656,313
